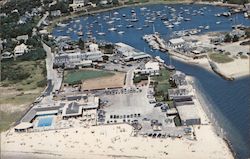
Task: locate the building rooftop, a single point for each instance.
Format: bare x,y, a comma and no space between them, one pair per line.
187,112
176,41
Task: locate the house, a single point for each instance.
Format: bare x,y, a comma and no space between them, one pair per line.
22,37
93,47
77,4
176,43
247,6
237,32
177,93
151,68
22,20
55,13
179,79
20,49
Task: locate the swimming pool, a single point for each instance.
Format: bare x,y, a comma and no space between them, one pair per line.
46,121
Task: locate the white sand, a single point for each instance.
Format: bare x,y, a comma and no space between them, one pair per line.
108,141
237,68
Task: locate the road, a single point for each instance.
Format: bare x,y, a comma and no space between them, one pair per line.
129,79
42,19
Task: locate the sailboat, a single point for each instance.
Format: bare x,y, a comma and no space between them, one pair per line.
170,66
101,33
134,19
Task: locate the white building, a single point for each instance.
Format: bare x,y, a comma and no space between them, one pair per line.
93,47
151,68
176,43
77,4
77,58
129,52
55,13
20,50
22,37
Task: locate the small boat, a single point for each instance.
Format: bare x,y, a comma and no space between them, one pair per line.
139,28
143,8
80,33
170,26
62,25
187,19
207,27
200,27
110,22
218,22
112,29
120,32
159,59
129,26
134,20
170,67
124,15
101,33
246,15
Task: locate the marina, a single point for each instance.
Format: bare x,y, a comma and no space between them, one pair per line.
193,18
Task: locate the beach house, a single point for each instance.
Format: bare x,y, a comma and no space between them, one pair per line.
20,49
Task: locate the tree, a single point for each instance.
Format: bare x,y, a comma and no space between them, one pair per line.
227,38
235,38
81,44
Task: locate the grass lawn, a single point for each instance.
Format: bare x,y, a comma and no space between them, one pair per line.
21,86
162,84
6,119
220,58
76,76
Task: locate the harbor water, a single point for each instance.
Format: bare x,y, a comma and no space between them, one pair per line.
229,101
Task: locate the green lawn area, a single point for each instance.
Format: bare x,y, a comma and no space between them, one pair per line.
24,75
76,76
220,58
162,84
138,78
22,82
6,119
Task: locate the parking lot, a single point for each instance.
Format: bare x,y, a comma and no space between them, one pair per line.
133,106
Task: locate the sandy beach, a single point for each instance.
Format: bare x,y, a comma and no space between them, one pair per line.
112,141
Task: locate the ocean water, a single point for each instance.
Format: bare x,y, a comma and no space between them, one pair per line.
227,100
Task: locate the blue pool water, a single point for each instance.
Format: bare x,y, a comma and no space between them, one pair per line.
44,122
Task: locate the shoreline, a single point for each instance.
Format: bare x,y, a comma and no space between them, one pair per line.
205,63
210,114
84,13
